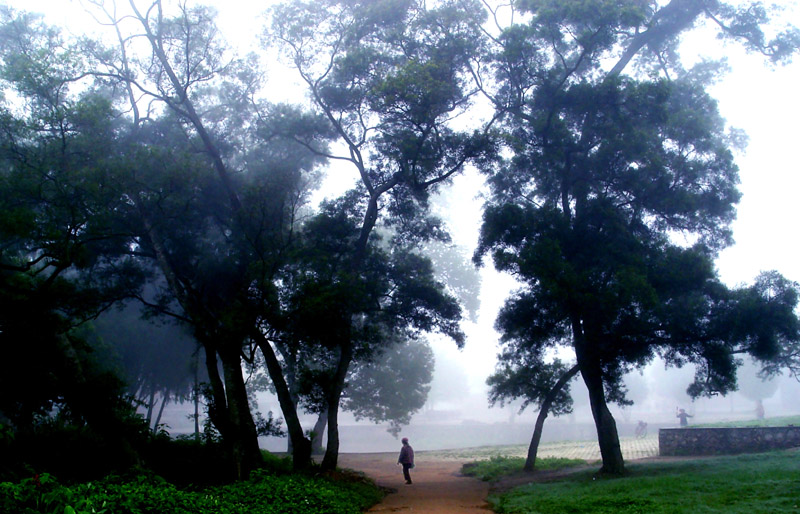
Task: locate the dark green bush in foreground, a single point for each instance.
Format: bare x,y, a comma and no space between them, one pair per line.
263,494
754,483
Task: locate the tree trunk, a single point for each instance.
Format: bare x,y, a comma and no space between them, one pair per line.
218,405
331,459
150,404
301,446
607,436
243,437
164,402
230,411
318,432
196,398
533,449
196,415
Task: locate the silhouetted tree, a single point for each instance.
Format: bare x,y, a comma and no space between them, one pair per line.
608,164
61,259
388,78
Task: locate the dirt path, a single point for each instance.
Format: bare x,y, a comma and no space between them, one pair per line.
438,487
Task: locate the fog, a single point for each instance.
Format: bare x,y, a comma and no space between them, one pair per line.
752,97
457,413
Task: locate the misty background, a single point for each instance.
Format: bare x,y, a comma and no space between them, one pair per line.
753,97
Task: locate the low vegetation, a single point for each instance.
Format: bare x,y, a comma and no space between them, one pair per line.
263,493
745,483
499,466
172,476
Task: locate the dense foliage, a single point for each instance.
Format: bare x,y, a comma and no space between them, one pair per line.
262,493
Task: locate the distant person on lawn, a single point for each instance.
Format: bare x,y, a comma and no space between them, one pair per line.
406,458
683,416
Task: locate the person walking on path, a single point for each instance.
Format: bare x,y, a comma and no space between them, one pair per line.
406,458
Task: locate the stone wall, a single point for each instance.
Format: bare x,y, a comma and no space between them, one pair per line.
725,441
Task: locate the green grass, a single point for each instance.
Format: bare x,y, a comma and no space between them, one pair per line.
487,452
754,483
768,422
497,467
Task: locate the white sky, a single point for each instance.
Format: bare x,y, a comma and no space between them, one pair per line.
762,101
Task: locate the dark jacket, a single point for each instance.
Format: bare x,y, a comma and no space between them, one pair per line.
406,455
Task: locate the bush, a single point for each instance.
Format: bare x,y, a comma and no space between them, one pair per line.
74,452
186,462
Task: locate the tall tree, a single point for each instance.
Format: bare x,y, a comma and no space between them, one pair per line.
61,259
389,386
524,375
388,78
608,165
393,295
199,194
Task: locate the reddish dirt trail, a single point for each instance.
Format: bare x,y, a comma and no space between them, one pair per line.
438,487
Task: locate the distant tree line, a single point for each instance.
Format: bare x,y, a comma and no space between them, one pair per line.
150,165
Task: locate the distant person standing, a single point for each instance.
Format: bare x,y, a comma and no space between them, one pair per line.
406,458
683,416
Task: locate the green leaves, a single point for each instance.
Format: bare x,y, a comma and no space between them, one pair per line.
264,494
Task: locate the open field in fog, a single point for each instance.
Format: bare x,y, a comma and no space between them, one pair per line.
632,448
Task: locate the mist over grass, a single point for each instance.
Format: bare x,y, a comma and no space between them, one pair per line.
781,421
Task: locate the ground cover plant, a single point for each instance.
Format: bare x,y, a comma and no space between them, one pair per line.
744,483
499,466
263,493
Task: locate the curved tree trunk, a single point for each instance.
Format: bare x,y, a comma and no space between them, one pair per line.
301,446
533,449
607,436
164,402
317,433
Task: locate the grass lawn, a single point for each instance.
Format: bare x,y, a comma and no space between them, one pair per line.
784,421
752,483
498,466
